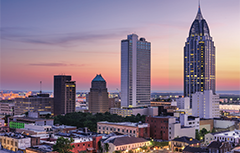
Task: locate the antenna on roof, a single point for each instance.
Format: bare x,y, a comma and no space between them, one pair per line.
40,87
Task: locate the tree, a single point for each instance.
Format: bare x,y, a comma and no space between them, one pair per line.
130,151
100,147
197,135
106,147
63,145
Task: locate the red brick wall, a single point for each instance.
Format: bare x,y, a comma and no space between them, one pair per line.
82,146
144,132
158,127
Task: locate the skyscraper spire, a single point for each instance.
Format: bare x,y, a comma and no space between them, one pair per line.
199,14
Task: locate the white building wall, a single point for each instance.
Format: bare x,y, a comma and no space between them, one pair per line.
205,104
179,131
24,143
183,103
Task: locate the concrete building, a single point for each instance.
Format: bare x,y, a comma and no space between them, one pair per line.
135,71
15,142
167,128
7,108
126,143
98,96
190,121
199,58
114,103
64,94
19,122
39,103
205,104
126,128
128,111
33,129
183,103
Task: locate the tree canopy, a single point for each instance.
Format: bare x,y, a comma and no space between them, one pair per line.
89,120
63,145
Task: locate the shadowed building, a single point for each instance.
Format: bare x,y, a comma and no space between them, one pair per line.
199,58
98,96
64,94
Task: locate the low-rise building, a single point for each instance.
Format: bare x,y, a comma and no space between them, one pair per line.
189,149
183,103
178,144
126,143
15,142
167,128
219,147
33,129
230,136
128,128
19,122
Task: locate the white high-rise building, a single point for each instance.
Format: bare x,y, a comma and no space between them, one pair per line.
135,71
205,104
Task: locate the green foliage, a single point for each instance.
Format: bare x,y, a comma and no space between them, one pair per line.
197,135
100,147
63,145
130,151
89,120
160,144
213,130
106,147
200,135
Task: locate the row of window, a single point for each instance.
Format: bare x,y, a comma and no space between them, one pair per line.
118,130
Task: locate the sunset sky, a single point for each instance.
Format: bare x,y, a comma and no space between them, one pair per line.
40,39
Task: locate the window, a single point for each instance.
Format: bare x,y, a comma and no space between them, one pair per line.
122,130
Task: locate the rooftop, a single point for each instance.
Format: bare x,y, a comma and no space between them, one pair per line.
119,141
125,124
98,78
235,134
195,149
188,140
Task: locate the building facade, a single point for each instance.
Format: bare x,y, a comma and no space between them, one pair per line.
167,128
199,58
183,103
15,142
135,71
7,108
39,103
98,96
126,128
205,104
64,94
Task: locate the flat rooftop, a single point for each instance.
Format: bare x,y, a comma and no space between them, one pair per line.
125,124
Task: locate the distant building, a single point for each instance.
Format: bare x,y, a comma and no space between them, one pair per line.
229,136
183,103
7,108
64,94
178,144
98,96
205,104
128,111
114,103
39,103
199,58
167,128
135,71
126,128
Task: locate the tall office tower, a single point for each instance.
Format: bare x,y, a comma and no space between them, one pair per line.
135,71
64,94
199,58
98,96
205,104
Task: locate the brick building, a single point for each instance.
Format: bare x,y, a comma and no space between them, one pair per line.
131,129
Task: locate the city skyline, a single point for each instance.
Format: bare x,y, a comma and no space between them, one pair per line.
81,39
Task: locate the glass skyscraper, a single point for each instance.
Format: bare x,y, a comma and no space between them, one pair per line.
135,71
199,58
